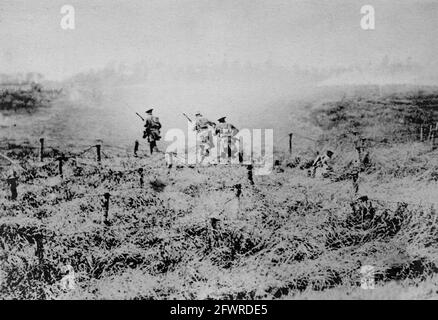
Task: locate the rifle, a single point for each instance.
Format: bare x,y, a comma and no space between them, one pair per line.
190,120
139,116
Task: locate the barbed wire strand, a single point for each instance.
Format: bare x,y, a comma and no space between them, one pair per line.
76,155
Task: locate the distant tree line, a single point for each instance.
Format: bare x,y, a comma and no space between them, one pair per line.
23,92
20,79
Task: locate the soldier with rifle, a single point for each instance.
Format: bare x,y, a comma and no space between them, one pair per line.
203,128
202,123
152,128
226,133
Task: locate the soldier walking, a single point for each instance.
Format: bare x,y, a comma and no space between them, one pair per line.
226,132
152,130
202,127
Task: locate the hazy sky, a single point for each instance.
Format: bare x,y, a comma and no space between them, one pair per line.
287,32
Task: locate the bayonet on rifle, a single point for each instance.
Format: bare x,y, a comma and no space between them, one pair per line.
139,116
190,120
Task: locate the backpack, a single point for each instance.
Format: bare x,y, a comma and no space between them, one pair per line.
155,123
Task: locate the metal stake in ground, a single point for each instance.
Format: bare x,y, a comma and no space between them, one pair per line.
41,149
290,143
106,196
136,145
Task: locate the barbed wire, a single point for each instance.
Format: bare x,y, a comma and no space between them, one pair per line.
305,137
76,157
125,150
398,202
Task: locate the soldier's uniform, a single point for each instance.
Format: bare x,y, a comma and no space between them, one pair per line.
226,132
202,127
152,128
321,164
202,123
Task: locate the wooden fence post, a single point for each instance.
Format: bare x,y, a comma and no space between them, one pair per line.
136,144
250,174
434,134
12,181
106,206
41,149
39,252
98,149
290,143
355,177
238,188
229,150
430,132
60,164
169,160
140,172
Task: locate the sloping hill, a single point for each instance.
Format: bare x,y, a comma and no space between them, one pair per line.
207,232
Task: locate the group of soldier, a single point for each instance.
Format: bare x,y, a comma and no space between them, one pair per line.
226,134
205,130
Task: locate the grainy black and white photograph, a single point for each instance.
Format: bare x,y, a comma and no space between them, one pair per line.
218,150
